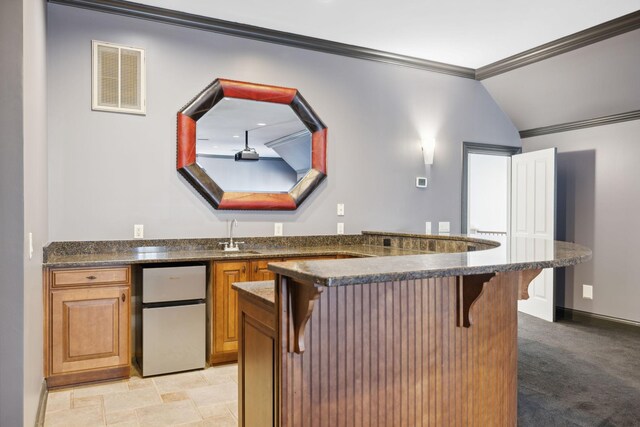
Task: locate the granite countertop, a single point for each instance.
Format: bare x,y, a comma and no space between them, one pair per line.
410,256
152,254
263,291
515,253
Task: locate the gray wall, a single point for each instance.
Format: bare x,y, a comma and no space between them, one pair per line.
597,80
23,207
35,197
110,171
11,214
598,204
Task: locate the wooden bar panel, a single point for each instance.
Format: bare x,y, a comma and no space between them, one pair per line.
391,354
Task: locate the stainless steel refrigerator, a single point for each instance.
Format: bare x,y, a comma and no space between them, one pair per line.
173,319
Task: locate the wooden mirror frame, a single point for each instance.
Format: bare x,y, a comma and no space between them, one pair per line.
208,188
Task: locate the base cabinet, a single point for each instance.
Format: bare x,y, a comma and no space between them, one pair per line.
224,325
224,340
87,326
256,364
260,270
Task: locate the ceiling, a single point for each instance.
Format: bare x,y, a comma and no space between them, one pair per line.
595,81
466,33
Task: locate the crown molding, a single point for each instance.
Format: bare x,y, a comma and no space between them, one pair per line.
583,38
168,16
581,124
562,45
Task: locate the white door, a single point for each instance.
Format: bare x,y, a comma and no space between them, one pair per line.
533,207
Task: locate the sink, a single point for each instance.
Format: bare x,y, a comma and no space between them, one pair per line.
150,249
144,250
241,251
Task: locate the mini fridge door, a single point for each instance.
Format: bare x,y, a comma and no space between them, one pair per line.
173,339
174,283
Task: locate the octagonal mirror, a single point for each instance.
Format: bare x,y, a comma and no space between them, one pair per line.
249,146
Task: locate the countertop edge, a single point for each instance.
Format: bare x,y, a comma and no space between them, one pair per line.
390,263
176,257
262,291
297,270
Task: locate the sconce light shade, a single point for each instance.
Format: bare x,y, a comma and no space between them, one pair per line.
428,147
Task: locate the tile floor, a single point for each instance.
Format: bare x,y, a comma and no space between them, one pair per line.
197,398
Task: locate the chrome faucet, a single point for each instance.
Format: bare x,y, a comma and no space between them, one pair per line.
231,246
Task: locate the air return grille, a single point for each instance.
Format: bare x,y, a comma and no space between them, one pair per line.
118,78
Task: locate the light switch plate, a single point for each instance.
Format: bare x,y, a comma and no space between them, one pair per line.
30,245
587,291
138,231
340,209
427,227
340,228
277,229
444,227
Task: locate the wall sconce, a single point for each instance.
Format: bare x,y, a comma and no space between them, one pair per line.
428,147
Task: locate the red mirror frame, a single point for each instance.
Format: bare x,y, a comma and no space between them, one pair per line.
208,188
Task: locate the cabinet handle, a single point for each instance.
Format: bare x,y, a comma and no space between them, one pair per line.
244,269
124,297
255,269
91,277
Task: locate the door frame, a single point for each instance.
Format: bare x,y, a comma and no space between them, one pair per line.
478,148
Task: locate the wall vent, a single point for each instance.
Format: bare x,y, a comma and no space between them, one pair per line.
118,78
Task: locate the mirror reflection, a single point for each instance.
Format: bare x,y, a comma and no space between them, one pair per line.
253,146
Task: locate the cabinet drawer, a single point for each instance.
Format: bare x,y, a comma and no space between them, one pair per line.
93,276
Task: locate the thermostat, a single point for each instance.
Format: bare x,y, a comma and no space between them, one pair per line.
421,182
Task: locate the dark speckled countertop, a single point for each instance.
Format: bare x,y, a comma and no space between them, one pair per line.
158,255
513,254
262,291
409,256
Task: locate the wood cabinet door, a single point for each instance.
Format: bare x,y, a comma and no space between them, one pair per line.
225,309
89,328
257,365
259,270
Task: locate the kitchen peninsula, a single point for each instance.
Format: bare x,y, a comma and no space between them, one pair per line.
411,340
384,328
92,291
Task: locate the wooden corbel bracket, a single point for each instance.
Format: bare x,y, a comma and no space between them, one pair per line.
525,277
468,291
302,297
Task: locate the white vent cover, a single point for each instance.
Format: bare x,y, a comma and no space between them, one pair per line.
118,78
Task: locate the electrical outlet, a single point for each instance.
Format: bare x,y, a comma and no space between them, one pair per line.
340,209
341,228
587,291
277,229
138,231
444,227
427,227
